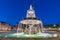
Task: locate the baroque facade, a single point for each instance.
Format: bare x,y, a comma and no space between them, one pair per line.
4,27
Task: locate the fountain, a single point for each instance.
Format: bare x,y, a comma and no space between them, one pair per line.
30,27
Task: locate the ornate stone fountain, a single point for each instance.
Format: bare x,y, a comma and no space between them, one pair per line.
30,24
29,27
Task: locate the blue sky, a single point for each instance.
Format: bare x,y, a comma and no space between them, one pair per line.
11,11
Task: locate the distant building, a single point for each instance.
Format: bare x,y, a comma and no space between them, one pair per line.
5,26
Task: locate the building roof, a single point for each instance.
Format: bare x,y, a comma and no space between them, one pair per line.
5,23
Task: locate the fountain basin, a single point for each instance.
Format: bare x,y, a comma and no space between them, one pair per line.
23,35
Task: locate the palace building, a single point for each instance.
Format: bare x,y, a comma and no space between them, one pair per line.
5,27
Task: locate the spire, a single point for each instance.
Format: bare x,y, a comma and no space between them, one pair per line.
31,8
31,12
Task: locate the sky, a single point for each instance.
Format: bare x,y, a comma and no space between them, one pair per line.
12,11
